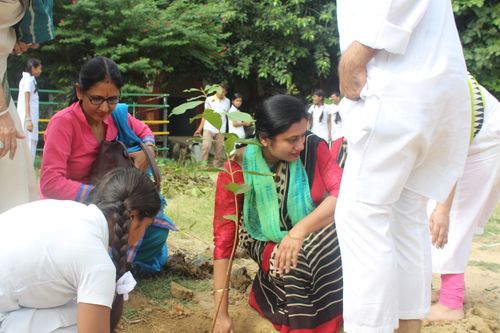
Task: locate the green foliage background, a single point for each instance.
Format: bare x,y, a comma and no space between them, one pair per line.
266,45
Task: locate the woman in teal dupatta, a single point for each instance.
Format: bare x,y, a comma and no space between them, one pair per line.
285,223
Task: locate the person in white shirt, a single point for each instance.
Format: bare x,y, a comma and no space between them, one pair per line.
220,104
336,119
27,103
235,126
58,257
469,206
320,116
405,117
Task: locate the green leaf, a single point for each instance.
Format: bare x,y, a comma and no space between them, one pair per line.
237,188
240,116
213,169
211,89
212,117
252,141
192,90
198,116
195,98
229,140
231,217
181,109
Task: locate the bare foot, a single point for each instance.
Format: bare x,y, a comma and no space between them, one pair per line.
441,312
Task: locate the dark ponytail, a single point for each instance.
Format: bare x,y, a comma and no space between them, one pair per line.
119,193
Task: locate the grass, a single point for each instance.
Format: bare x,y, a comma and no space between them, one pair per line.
485,265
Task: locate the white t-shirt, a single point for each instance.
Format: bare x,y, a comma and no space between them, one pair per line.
319,120
219,106
28,84
53,252
240,130
336,128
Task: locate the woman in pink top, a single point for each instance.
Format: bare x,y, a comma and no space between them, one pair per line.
73,138
74,134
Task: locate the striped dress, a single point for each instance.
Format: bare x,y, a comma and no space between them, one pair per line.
309,298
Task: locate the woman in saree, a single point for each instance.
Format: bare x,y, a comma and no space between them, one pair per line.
285,223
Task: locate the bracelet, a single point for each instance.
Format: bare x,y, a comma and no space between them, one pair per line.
220,290
4,112
27,119
441,212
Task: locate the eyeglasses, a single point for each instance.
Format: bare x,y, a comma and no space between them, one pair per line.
98,100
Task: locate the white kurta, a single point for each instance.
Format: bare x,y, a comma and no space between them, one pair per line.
219,106
28,85
53,253
336,128
407,141
17,183
319,120
240,130
477,193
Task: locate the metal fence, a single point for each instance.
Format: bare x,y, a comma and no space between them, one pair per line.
141,106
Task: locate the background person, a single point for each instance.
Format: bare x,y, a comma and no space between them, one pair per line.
28,104
286,224
220,104
66,243
401,152
33,22
469,207
320,116
235,126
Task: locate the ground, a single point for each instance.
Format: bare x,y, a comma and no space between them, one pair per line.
153,309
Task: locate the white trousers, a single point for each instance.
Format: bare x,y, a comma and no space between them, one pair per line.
386,262
476,196
52,320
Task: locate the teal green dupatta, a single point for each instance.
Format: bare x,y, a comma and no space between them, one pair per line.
261,208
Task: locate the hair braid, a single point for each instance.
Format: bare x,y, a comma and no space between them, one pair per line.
119,246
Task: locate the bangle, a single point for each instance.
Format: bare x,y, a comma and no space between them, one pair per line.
441,212
4,112
27,119
220,290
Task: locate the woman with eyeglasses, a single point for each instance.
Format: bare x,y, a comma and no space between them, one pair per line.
72,141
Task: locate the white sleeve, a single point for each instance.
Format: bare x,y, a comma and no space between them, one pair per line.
97,286
24,86
310,110
388,24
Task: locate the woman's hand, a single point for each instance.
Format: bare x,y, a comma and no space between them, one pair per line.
8,136
224,324
438,227
29,126
287,254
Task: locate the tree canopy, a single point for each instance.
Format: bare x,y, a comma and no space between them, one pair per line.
286,45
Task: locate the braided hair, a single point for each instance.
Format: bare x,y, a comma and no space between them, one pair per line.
120,192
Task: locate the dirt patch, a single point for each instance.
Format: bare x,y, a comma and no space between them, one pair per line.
171,315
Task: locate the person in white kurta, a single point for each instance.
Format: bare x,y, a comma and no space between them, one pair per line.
28,103
320,115
476,195
17,184
235,126
57,273
220,104
54,255
336,119
406,120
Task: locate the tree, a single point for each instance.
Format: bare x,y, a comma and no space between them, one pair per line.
147,38
479,24
281,44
